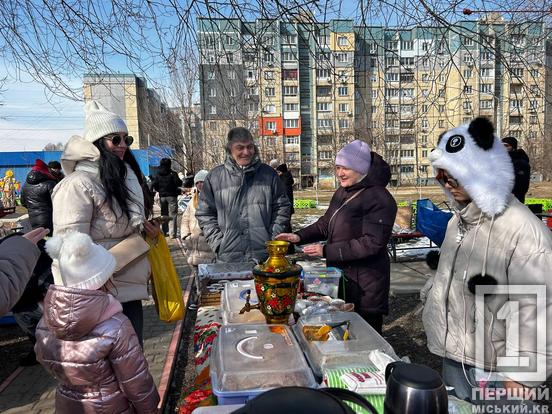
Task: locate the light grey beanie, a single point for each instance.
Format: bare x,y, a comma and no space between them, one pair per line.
101,122
200,176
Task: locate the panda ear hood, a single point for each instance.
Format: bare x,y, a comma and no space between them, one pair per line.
473,155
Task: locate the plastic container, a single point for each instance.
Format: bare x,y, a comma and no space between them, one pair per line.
323,280
336,353
233,300
247,360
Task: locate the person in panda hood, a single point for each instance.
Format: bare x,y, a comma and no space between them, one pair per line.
494,240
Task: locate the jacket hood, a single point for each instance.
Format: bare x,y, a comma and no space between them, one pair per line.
233,167
282,168
78,149
379,174
71,313
164,170
37,177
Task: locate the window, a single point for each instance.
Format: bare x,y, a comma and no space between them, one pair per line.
372,48
407,77
467,73
466,105
323,40
323,107
324,123
290,90
288,57
342,57
407,92
250,75
515,120
518,40
425,92
289,74
325,155
323,91
532,134
268,57
407,153
425,77
391,109
424,108
467,41
485,104
291,123
391,45
213,110
292,140
291,107
252,91
374,109
391,123
441,123
442,78
391,92
391,76
517,72
533,120
211,75
515,134
269,75
407,61
374,93
407,124
212,126
289,39
391,61
425,123
373,78
270,91
271,126
229,40
343,107
468,89
323,73
230,57
252,107
468,59
324,139
441,93
486,88
270,109
212,92
408,168
487,56
323,56
374,124
424,155
233,92
342,41
425,46
407,45
343,123
268,40
533,105
534,73
407,109
343,90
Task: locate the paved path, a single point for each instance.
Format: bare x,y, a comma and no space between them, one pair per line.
409,277
32,390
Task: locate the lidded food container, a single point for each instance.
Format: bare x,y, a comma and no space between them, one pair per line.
334,351
323,280
233,300
250,359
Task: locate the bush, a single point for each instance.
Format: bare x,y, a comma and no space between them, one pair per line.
304,203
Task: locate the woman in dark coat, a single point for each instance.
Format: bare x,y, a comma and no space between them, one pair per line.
357,227
36,195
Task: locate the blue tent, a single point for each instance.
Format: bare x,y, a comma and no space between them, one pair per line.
431,221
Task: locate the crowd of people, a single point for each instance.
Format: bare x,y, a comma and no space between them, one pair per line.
91,338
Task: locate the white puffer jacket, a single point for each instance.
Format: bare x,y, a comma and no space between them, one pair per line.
519,253
79,204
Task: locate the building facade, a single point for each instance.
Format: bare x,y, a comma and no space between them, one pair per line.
305,89
148,118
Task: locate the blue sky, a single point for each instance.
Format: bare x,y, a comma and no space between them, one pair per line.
31,117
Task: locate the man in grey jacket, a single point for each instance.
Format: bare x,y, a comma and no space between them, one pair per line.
243,203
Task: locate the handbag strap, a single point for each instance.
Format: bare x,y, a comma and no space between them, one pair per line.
344,204
352,397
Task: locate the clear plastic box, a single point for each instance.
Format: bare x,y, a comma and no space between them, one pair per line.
233,300
247,360
336,353
323,280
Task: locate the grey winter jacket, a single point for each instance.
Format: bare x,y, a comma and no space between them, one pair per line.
18,257
519,253
90,347
241,208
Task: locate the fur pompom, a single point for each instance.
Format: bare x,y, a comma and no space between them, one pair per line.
53,246
77,244
432,259
480,280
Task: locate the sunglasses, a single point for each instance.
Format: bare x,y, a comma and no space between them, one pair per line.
116,140
443,178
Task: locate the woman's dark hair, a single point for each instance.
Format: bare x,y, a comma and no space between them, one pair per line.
112,175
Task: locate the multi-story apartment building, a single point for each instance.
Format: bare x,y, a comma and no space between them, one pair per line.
148,118
307,88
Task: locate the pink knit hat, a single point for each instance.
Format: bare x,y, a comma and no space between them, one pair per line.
355,156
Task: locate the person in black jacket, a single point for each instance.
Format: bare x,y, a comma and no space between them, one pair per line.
522,168
167,184
36,195
287,181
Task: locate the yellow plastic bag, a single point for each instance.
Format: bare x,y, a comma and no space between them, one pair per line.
167,292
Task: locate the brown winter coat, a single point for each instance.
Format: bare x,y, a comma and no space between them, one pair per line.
91,349
357,238
18,257
197,248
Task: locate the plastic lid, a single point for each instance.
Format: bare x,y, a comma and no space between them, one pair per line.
416,376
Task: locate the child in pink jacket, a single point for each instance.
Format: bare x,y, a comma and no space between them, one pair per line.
85,341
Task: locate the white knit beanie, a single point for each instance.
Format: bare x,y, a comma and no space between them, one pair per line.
200,176
101,122
82,263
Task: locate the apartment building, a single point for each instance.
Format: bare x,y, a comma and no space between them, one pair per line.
305,89
148,118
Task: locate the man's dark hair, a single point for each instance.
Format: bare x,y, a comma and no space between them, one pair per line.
54,165
239,134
